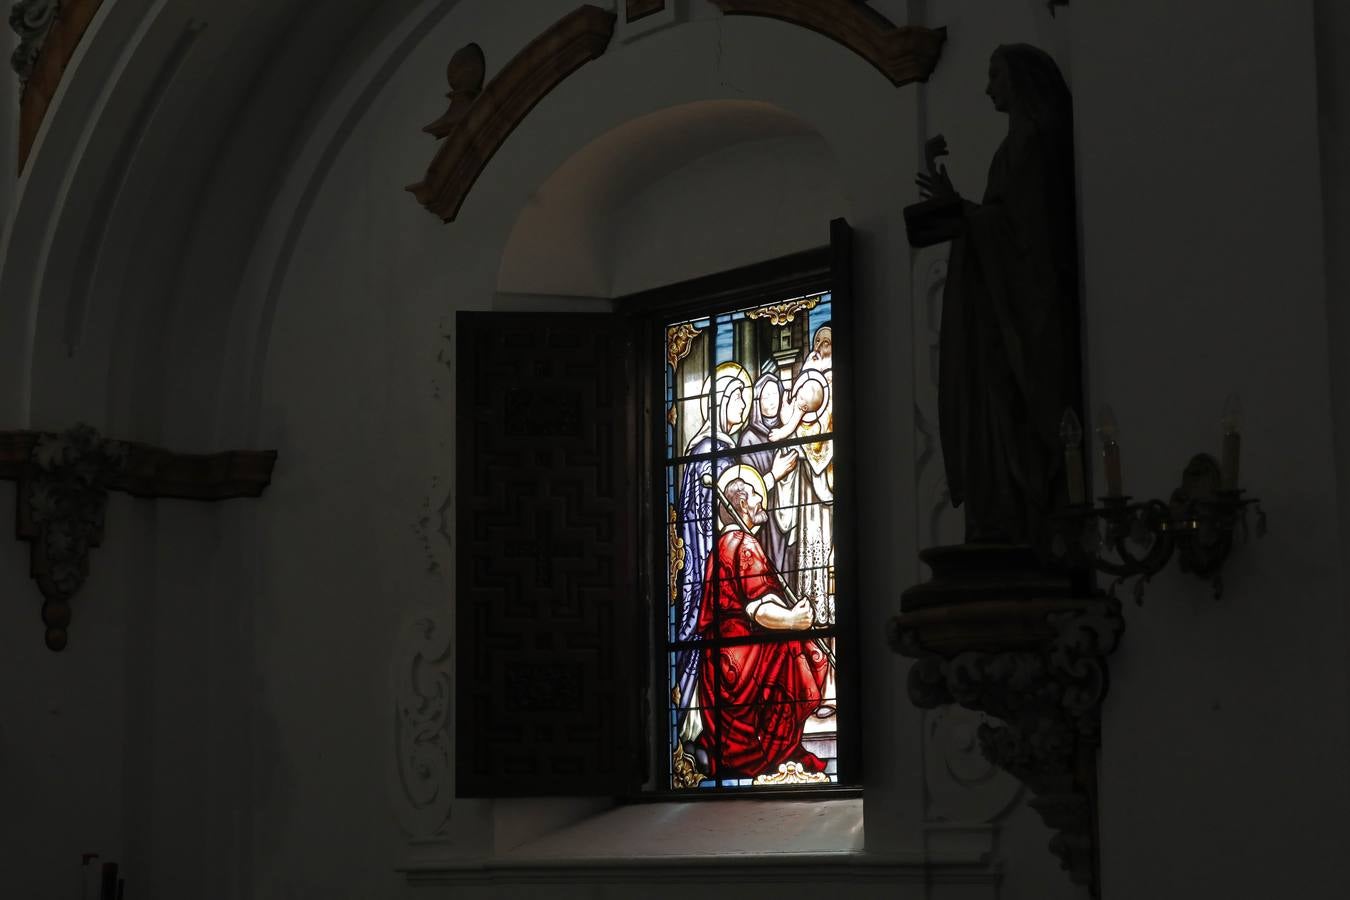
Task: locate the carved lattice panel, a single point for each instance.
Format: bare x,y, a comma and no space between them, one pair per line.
546,697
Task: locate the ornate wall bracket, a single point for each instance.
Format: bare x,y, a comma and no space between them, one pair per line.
480,119
64,480
49,31
995,634
903,53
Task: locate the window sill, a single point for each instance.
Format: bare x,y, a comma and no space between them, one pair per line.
773,840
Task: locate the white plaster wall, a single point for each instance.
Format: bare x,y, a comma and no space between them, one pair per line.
740,205
1223,767
249,707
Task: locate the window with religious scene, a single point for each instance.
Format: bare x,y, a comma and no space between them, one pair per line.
693,639
749,487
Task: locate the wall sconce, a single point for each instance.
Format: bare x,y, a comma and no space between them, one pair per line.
1197,524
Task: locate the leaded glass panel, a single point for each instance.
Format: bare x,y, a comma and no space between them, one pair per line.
749,490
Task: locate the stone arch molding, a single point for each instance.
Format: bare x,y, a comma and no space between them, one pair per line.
481,117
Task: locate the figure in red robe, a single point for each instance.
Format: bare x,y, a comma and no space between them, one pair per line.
760,693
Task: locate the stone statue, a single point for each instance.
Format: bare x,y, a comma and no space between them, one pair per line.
1010,361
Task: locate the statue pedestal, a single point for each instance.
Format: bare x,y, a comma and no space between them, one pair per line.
996,632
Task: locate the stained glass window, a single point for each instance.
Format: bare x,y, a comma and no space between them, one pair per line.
749,485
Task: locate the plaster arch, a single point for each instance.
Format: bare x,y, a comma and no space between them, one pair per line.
584,227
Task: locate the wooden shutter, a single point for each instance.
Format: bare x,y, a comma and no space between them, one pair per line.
546,685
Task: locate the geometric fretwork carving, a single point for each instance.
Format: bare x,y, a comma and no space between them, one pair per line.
546,557
1037,664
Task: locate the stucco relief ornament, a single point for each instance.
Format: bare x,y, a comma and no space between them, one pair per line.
421,685
67,495
31,20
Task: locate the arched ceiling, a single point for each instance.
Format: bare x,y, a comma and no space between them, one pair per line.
163,148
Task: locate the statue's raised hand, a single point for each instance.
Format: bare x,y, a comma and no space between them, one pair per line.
934,182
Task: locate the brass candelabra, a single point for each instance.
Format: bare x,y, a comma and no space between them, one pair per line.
1198,523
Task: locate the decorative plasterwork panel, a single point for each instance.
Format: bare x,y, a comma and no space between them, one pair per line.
421,783
903,53
480,119
49,31
961,784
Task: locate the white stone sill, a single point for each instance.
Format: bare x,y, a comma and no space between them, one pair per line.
773,840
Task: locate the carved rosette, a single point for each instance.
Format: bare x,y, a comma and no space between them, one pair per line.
421,743
1045,685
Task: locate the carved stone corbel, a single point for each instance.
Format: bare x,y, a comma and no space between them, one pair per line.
1031,654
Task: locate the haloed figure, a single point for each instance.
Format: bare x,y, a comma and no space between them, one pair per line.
729,394
1009,354
760,694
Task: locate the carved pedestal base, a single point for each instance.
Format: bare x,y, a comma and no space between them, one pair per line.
995,633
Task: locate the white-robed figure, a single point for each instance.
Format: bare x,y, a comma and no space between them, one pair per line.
805,500
697,517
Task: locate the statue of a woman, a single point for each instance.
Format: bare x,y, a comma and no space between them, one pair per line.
1010,362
